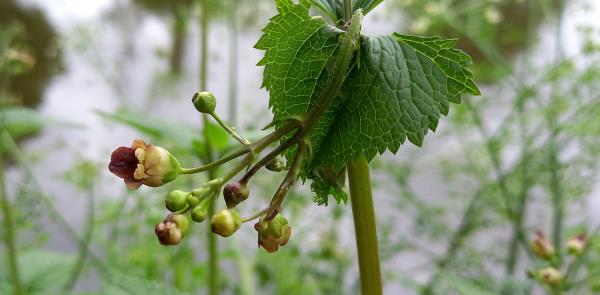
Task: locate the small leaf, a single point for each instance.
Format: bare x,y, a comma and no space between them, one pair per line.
123,284
21,122
218,138
158,129
365,5
323,190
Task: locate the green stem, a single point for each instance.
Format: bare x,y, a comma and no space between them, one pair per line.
9,239
230,130
233,61
364,225
555,177
213,164
347,10
213,264
256,215
84,245
13,150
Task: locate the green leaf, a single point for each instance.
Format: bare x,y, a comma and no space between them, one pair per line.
42,271
297,48
21,122
217,137
464,286
365,5
122,284
323,190
331,8
399,88
181,134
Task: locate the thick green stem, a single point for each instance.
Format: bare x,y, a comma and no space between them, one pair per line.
347,10
364,225
9,234
211,241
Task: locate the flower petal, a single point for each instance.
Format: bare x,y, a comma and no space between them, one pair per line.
123,162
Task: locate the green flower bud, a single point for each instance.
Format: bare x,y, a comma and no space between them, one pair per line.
192,201
225,222
551,276
576,245
235,193
542,246
176,200
276,164
273,233
204,102
200,212
172,229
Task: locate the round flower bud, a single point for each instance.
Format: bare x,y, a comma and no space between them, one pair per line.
225,222
172,229
192,201
204,102
276,164
551,276
200,212
273,233
542,246
576,245
235,193
176,200
143,164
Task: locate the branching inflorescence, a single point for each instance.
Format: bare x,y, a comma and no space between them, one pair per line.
337,96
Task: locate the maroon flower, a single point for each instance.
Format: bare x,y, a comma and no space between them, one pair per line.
143,164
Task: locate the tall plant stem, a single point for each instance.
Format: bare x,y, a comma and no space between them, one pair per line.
555,165
347,10
84,244
211,239
363,214
233,62
9,234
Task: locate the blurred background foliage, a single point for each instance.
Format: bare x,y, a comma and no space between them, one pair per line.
454,217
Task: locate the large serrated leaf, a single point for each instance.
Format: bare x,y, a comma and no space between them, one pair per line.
399,89
297,49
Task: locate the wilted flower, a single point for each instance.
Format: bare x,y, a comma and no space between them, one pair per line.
172,229
273,233
551,276
225,222
576,245
542,246
143,164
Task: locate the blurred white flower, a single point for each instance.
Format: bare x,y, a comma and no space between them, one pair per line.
434,8
419,26
493,15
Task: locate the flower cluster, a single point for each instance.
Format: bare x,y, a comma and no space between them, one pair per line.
154,166
551,275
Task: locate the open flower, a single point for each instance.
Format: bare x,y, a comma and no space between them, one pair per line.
143,164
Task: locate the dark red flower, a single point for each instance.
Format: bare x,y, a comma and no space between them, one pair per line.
123,162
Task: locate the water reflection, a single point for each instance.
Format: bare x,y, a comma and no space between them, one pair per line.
35,37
